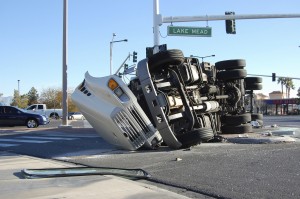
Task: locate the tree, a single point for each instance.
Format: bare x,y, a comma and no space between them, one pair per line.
289,84
50,98
282,81
298,94
32,96
19,101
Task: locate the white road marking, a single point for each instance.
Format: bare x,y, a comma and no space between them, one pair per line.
48,138
25,141
75,136
8,145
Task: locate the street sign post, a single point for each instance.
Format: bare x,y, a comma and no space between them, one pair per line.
189,31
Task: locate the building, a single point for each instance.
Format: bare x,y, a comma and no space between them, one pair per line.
279,105
276,95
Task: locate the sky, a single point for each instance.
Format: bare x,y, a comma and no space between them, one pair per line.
31,38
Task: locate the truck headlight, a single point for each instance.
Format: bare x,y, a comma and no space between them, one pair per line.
114,86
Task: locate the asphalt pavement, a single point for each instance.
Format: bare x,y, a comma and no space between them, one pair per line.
263,164
13,183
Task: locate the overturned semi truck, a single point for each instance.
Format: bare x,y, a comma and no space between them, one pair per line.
172,100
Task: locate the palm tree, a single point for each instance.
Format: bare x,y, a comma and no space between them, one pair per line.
282,81
289,84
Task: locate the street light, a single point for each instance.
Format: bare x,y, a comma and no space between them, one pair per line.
111,46
202,57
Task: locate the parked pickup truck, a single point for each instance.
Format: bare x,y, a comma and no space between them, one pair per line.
42,109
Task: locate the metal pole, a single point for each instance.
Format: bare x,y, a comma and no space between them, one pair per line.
111,45
116,73
156,25
65,64
225,17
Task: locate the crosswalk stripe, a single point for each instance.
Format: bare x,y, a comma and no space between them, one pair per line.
25,141
76,136
48,138
8,145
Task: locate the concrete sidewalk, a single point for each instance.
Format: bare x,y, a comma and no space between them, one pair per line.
14,185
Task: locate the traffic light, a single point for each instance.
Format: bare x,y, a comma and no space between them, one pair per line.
273,77
230,24
134,56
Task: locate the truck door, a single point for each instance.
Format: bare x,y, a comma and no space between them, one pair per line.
32,108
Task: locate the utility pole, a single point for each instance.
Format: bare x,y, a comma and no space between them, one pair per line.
111,48
65,66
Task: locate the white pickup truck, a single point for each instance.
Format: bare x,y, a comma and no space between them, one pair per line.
42,109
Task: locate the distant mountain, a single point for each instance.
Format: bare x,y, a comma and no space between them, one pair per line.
6,100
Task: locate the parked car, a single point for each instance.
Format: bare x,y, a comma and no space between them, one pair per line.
13,116
75,116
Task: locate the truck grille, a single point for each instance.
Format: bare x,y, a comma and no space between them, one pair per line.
135,133
142,124
128,129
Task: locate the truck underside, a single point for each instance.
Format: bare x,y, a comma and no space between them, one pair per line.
185,100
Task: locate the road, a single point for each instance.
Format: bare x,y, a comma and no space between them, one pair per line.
287,121
210,170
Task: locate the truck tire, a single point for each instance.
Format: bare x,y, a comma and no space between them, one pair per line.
231,64
232,74
251,80
32,123
253,86
195,137
240,129
236,119
165,58
54,116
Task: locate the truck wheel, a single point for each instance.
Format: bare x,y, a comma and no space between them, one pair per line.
163,58
195,137
54,116
253,86
231,64
232,74
236,119
243,128
251,80
31,123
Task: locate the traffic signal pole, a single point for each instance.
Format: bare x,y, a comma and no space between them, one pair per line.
158,20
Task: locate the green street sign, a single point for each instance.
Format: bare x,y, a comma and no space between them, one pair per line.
189,31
